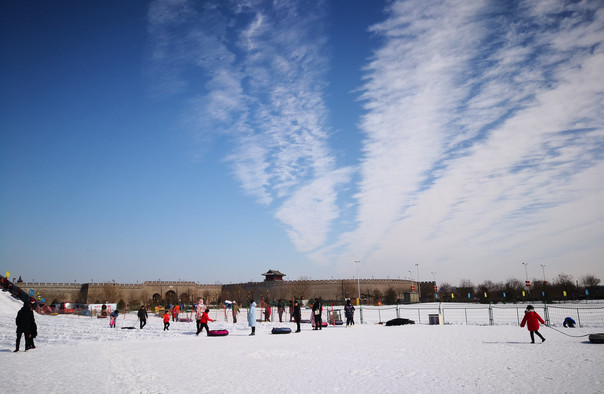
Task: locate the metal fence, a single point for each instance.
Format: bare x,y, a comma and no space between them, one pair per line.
586,315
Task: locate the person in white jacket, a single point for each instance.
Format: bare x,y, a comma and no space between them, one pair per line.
251,317
199,310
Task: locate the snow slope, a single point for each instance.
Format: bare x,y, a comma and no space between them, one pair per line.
81,354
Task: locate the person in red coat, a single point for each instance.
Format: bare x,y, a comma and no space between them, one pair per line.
204,322
532,320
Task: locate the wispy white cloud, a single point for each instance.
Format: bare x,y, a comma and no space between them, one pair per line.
484,134
265,71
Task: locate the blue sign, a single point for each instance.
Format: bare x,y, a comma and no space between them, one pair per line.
543,293
586,292
504,294
31,292
469,295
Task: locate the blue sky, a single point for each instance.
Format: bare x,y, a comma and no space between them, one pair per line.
213,140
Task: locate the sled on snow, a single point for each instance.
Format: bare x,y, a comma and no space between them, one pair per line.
281,330
399,322
218,333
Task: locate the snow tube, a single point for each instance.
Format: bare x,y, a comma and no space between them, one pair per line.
596,338
281,330
339,322
218,333
305,321
399,322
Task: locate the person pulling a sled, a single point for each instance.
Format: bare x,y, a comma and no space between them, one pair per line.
532,320
204,322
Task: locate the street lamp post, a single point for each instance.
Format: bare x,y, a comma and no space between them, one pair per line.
419,286
527,283
358,262
435,287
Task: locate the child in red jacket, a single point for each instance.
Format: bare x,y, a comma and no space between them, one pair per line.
532,320
166,320
204,322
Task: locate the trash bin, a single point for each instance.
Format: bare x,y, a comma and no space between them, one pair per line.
435,319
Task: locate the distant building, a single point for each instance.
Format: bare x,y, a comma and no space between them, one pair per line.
273,275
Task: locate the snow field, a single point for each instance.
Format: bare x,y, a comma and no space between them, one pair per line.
80,354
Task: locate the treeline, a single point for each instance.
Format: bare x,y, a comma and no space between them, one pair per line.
562,288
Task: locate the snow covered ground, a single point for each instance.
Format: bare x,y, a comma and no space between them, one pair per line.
83,355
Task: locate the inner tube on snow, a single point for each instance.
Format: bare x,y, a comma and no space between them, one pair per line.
596,338
281,330
339,322
218,333
305,321
399,322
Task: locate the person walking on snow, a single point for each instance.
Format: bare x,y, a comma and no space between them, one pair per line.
532,320
166,320
349,313
175,312
251,317
317,310
297,315
235,310
113,318
199,310
204,322
142,316
25,325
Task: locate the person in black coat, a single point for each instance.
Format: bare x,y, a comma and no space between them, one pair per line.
142,315
297,315
26,324
317,310
349,312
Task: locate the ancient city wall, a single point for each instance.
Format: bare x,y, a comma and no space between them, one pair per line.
158,292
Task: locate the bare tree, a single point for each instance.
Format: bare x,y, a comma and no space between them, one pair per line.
590,281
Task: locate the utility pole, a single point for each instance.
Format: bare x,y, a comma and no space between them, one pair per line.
419,286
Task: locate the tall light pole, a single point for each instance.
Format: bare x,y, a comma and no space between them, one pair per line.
358,281
358,262
435,287
543,269
419,286
527,283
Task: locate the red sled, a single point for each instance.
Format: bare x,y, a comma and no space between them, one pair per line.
218,333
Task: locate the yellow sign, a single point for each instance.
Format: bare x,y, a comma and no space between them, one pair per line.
564,292
452,295
7,274
485,294
523,293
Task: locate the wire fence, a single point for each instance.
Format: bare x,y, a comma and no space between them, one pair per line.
585,315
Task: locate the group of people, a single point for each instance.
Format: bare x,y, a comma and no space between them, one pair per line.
26,324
